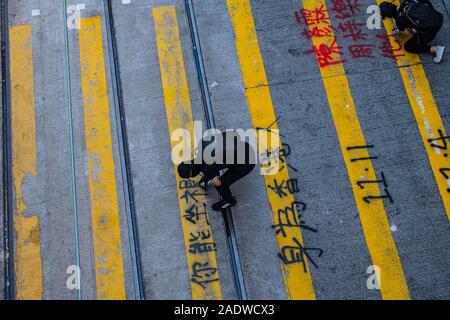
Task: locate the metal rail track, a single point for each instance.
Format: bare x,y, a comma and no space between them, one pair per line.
121,121
138,279
210,122
139,287
72,146
8,232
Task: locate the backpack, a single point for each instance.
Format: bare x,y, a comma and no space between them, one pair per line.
423,16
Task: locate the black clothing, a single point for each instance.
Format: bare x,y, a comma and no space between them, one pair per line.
388,10
238,166
402,20
221,162
223,205
232,176
419,43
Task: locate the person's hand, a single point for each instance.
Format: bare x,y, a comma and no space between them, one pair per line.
216,182
396,32
406,32
204,183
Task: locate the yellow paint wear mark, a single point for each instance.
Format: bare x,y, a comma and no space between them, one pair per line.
373,216
426,113
102,181
202,267
298,282
28,264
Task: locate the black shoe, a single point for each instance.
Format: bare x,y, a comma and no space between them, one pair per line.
224,204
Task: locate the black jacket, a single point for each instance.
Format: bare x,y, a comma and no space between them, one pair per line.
403,22
239,152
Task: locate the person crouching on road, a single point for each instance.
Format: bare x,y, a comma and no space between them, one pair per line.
419,20
235,156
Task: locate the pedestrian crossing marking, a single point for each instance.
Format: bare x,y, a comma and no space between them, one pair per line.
28,261
298,283
427,116
373,215
102,180
201,256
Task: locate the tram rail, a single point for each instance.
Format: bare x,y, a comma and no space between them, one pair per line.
125,161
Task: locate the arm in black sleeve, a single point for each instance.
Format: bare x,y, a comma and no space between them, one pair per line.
428,2
402,23
210,172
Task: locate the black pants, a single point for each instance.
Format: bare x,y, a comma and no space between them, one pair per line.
419,43
232,176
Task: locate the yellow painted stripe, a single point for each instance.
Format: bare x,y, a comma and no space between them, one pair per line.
373,216
298,283
179,116
102,181
28,264
427,115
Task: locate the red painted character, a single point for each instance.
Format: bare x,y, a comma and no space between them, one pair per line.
316,32
352,29
324,54
345,9
312,17
387,49
361,51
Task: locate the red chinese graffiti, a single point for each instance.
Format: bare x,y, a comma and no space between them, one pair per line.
317,25
362,51
345,9
387,49
352,29
317,32
328,55
312,17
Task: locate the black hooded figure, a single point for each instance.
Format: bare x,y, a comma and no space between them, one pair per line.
419,20
235,165
388,10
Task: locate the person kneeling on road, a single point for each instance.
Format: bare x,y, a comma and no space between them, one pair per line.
419,20
232,154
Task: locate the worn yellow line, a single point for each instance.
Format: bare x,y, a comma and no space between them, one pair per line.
202,265
427,116
28,264
102,181
373,216
298,282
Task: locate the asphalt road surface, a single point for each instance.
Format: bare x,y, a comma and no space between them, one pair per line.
360,208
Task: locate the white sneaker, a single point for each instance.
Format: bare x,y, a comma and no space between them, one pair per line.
439,53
